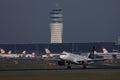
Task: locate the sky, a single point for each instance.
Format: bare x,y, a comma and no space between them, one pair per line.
28,21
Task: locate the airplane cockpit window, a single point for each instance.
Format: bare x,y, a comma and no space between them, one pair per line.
63,54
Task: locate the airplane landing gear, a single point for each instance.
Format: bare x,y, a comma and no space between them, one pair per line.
68,66
84,67
85,63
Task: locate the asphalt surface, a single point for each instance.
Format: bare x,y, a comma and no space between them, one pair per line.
94,67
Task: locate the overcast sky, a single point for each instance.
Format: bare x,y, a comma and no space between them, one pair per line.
27,21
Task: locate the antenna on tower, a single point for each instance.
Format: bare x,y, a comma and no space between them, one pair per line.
56,4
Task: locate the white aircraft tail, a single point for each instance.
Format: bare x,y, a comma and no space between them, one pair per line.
95,52
24,52
48,52
104,50
33,53
9,52
2,51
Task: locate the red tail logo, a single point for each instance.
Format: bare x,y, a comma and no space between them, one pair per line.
47,51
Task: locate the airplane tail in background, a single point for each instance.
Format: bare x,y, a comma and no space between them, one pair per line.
104,50
24,52
2,51
48,52
95,52
9,52
33,53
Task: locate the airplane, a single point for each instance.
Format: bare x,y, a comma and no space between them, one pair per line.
8,54
105,51
71,58
32,55
114,55
50,54
107,54
25,55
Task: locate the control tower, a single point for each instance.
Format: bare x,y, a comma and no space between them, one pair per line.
56,24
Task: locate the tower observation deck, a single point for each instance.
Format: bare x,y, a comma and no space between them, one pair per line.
56,25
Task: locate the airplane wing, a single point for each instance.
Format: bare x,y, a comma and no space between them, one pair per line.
90,60
95,60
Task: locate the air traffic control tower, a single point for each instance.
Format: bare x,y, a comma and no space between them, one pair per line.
56,25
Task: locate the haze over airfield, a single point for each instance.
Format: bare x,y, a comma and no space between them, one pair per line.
27,21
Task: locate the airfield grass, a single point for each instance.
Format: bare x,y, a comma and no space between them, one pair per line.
28,66
83,75
50,75
15,64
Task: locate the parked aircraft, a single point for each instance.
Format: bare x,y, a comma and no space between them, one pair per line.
25,55
32,55
50,54
8,54
107,54
105,51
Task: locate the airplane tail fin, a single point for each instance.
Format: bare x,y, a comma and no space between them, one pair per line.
24,52
2,51
95,52
91,54
33,53
9,52
104,50
48,52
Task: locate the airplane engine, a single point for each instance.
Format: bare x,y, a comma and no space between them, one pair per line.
84,64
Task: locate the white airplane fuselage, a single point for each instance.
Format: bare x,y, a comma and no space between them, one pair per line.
9,55
51,55
29,56
73,57
111,53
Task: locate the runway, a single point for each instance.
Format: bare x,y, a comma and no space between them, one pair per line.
41,66
94,67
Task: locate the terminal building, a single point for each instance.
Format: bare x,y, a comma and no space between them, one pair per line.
60,47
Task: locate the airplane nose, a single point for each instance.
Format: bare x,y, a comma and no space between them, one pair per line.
62,56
